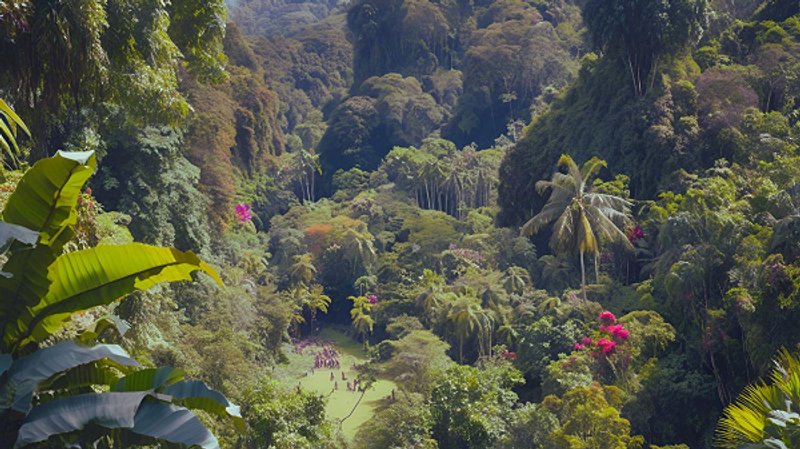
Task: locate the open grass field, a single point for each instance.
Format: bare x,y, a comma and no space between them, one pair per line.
341,401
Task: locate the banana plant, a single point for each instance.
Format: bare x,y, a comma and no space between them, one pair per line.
79,391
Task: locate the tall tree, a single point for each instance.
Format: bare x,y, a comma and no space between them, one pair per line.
641,31
466,316
581,217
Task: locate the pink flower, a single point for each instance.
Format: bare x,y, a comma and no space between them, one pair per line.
577,347
372,299
616,330
509,355
586,341
635,234
606,345
607,317
243,212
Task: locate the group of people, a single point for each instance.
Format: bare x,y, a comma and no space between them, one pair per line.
327,358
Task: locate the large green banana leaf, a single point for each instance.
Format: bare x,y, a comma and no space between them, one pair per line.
110,410
26,373
149,379
174,424
99,276
44,203
190,394
195,394
132,411
10,232
44,200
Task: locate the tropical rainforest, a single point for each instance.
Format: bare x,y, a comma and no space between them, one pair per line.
400,224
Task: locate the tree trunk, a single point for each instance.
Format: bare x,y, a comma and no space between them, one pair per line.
597,266
583,277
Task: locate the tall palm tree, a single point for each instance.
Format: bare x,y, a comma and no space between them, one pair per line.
580,216
315,301
302,271
465,314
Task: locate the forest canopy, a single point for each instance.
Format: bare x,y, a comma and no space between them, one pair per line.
400,224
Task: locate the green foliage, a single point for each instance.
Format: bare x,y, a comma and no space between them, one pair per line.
469,405
764,414
9,123
48,288
416,359
404,423
589,417
642,31
165,204
82,53
281,417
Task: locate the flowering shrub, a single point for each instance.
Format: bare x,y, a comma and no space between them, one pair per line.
243,212
613,334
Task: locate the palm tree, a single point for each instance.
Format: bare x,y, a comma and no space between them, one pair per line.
465,316
580,216
765,415
516,279
360,316
316,300
302,271
359,247
365,283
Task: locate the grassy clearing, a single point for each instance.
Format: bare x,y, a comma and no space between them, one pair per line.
341,401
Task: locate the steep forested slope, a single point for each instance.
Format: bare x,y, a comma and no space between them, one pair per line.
538,224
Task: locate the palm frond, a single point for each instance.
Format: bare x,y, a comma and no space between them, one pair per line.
592,167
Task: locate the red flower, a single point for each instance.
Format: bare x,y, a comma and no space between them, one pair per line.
607,317
606,345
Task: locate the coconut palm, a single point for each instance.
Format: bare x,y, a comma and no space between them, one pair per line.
580,217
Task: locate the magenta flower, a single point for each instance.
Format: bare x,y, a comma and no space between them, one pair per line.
243,212
372,299
607,317
635,234
586,341
577,347
606,345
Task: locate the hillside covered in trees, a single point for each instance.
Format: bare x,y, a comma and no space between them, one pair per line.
400,224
